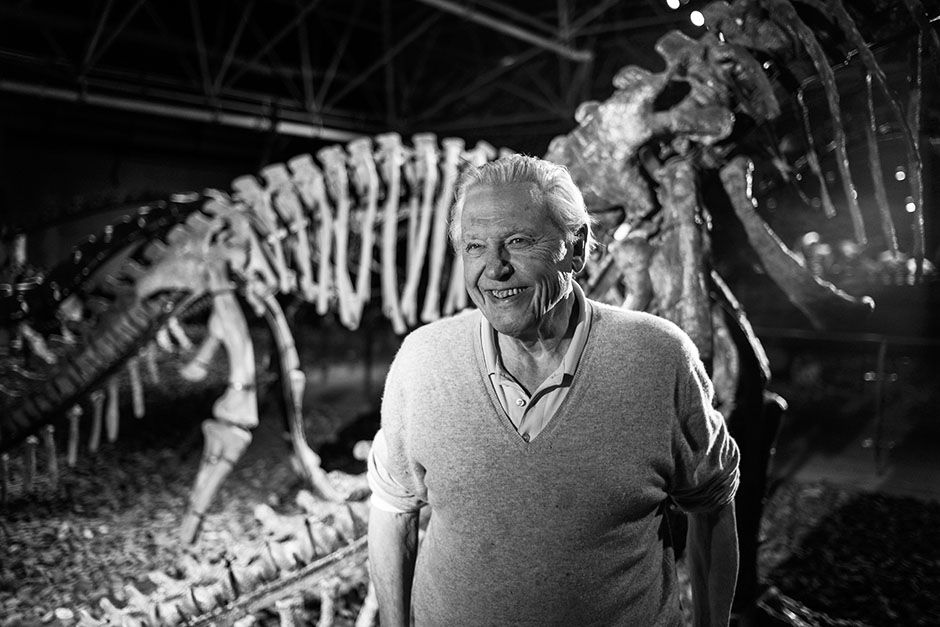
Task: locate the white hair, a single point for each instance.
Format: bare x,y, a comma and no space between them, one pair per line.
562,197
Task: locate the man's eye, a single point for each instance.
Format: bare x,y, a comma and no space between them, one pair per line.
517,241
473,247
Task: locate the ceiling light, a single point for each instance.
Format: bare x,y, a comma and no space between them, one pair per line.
673,4
697,18
900,174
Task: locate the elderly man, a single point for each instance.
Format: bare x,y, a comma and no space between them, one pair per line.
548,434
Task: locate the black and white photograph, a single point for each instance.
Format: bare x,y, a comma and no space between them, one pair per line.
469,313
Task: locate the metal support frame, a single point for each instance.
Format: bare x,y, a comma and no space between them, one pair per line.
483,79
339,54
270,42
233,44
306,59
99,29
512,30
200,48
390,54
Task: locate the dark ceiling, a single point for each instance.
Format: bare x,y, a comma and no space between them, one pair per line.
334,68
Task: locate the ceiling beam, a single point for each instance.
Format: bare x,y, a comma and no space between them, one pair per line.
390,53
115,32
273,41
499,6
481,81
99,29
232,45
339,53
512,30
256,122
592,15
201,53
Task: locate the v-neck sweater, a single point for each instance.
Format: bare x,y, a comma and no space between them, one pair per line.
567,529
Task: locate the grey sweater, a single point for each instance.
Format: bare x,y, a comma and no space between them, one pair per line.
567,529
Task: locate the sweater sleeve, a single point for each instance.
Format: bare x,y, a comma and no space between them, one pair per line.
706,456
396,479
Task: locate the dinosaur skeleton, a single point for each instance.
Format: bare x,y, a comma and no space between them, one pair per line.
255,242
300,230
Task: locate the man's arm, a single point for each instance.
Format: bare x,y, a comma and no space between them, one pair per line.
393,546
712,555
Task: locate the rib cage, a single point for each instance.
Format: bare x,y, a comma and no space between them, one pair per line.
328,212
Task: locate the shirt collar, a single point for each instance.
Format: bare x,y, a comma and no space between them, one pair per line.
569,363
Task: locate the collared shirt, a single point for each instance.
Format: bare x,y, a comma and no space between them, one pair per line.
529,414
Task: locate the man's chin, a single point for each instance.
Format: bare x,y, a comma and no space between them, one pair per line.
515,327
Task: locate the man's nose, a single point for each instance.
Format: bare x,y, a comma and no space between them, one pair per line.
497,264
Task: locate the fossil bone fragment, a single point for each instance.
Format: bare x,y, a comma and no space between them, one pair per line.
227,436
74,415
197,367
37,344
52,460
308,180
453,149
248,191
30,466
333,159
632,256
426,178
163,340
137,386
391,158
112,416
365,179
280,189
176,330
97,418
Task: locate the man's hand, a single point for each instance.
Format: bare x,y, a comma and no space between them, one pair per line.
712,551
393,546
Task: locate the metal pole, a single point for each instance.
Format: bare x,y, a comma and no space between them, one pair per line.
254,122
880,460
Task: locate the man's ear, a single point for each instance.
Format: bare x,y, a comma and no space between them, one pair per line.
579,250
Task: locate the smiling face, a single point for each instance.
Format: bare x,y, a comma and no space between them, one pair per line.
518,265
